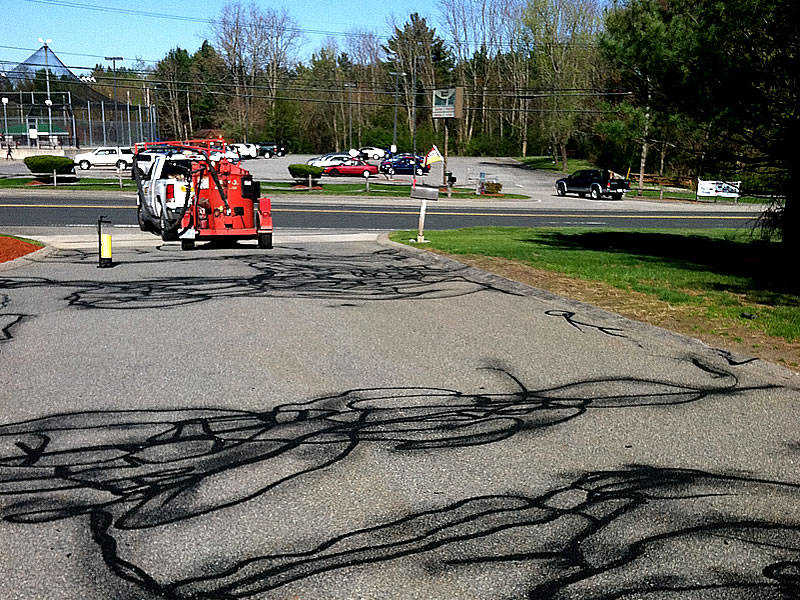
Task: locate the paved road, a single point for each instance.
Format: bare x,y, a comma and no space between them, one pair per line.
343,421
47,209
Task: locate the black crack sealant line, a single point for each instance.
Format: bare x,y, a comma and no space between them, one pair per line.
146,470
569,317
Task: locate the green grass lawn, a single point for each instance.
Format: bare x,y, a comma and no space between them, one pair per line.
328,189
82,184
689,195
723,276
545,163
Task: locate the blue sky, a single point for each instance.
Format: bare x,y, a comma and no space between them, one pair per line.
74,28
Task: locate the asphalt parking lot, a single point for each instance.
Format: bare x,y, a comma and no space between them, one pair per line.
331,421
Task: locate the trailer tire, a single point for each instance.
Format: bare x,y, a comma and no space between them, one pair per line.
187,244
265,241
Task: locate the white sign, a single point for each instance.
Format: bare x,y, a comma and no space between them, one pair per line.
448,103
718,189
33,133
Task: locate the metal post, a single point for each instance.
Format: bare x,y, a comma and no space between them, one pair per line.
421,225
89,113
141,130
128,108
72,116
5,119
103,116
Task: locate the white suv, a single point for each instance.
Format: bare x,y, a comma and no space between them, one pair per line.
105,156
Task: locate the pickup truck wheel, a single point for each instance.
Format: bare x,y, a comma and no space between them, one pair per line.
84,164
140,218
265,241
561,190
420,171
595,193
187,244
391,171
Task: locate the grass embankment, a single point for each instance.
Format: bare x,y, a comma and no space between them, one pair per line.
545,163
716,285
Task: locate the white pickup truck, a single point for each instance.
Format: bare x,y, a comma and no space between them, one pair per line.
164,190
105,156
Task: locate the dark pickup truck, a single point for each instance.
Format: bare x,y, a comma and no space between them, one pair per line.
594,182
270,149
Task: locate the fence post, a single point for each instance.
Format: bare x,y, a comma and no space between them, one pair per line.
55,178
103,115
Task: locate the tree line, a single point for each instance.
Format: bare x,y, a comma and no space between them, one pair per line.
686,88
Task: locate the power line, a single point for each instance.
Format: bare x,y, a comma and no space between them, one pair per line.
520,93
301,30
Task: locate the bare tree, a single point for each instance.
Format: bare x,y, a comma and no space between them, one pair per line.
563,32
253,42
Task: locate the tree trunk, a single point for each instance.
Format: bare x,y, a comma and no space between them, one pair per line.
563,147
645,133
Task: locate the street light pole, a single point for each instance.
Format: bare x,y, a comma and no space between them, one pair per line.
114,60
49,102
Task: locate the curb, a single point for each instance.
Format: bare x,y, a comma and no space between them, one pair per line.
31,257
766,368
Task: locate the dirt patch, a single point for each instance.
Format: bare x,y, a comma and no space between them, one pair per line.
11,248
686,319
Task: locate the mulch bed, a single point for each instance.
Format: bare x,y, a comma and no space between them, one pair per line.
11,248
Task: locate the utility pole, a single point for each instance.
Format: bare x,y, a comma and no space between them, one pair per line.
48,102
414,105
397,75
114,60
349,87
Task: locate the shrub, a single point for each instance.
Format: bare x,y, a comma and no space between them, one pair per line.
492,187
45,164
301,171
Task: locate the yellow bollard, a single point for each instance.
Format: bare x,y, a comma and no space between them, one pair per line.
104,242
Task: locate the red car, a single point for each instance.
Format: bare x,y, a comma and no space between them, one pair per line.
353,166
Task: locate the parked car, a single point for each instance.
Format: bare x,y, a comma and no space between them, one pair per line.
270,149
245,150
372,152
595,182
105,156
353,166
404,165
329,160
